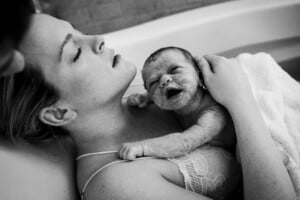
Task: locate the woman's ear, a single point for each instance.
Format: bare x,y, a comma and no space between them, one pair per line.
57,115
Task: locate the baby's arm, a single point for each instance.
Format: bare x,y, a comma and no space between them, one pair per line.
208,126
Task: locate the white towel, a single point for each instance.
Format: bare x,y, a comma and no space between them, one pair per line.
278,96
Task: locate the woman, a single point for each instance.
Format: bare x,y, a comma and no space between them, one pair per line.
78,70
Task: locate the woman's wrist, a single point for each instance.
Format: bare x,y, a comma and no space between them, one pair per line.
241,102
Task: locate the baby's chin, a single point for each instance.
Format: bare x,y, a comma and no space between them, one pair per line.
173,104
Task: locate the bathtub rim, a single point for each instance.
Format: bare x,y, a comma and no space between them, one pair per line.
208,14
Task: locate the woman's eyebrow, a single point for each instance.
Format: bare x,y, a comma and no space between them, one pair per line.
68,37
73,25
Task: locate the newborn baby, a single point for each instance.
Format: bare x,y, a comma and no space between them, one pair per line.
171,78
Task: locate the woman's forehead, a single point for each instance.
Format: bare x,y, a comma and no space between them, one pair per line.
44,37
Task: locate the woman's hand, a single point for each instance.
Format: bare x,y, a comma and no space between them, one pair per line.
264,174
225,79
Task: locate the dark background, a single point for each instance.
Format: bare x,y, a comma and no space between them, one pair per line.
101,16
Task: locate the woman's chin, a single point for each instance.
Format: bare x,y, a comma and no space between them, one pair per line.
132,72
125,65
126,73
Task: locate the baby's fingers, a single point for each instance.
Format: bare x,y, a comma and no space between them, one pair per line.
121,152
131,154
126,153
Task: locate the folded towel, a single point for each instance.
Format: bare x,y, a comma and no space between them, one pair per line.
278,96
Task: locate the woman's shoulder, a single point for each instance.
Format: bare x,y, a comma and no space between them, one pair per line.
119,179
50,172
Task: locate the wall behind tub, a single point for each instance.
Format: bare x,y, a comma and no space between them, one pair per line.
102,16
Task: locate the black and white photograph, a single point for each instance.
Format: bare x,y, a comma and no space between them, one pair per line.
150,100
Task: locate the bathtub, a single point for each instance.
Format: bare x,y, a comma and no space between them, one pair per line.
226,29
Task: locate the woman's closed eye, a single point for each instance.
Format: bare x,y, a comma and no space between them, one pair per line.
101,46
77,55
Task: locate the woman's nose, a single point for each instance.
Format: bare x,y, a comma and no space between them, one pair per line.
15,64
98,44
165,80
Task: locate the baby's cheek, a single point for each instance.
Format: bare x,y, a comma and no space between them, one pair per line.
157,97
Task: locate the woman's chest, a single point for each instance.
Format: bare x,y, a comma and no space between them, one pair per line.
152,122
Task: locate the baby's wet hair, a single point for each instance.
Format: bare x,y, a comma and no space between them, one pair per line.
189,57
155,55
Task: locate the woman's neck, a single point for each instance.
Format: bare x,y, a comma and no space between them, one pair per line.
108,128
102,129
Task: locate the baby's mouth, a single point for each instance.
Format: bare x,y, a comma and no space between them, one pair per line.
172,92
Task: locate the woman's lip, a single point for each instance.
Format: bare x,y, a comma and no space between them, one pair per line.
112,55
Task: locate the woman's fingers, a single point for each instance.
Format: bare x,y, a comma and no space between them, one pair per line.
214,61
203,66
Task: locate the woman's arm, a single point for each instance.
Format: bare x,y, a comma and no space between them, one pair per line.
264,174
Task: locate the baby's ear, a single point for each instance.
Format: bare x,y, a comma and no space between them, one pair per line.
201,82
202,85
57,115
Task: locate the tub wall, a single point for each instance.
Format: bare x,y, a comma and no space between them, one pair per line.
100,16
270,26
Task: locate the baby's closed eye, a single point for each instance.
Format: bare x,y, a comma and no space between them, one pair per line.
152,83
174,69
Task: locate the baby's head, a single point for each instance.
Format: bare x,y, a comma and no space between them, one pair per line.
171,77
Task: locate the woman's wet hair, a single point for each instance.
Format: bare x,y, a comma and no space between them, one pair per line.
23,96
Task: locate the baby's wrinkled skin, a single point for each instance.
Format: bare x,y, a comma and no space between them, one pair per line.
172,83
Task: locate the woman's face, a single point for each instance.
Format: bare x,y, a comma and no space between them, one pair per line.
81,67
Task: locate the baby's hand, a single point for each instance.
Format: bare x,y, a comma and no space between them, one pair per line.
139,100
131,150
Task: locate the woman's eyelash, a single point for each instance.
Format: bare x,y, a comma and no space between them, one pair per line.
77,54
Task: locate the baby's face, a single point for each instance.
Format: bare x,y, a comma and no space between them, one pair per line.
171,80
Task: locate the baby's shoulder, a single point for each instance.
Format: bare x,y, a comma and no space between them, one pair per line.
213,108
212,114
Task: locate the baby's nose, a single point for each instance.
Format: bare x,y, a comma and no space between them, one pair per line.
165,80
